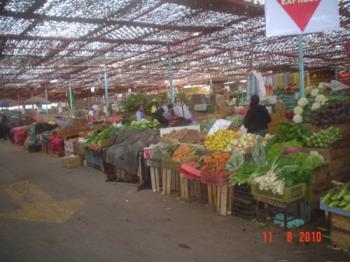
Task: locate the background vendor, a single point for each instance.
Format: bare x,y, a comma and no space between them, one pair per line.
140,114
257,117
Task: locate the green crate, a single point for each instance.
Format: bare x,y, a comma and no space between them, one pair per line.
290,194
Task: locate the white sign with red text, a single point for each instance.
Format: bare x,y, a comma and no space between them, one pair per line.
295,17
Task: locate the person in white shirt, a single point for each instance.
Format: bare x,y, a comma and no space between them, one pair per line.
140,114
182,110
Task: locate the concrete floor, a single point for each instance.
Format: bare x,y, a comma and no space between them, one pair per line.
116,223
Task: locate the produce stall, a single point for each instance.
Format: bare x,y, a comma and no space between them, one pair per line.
336,204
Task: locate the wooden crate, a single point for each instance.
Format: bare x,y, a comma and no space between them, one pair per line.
340,231
321,180
220,198
156,178
170,171
191,189
170,181
340,239
340,222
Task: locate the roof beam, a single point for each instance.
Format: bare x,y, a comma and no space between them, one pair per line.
109,22
92,39
236,7
2,5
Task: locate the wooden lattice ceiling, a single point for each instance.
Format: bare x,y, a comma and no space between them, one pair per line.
60,40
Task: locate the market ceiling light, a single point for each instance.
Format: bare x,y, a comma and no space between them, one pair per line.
243,81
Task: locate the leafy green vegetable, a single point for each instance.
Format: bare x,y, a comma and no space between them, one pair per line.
244,173
235,162
290,131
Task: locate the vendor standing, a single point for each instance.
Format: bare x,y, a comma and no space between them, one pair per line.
140,114
257,117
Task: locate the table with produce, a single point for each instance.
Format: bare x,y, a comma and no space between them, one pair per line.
297,163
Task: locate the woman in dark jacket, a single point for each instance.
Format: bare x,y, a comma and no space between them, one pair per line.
5,127
257,117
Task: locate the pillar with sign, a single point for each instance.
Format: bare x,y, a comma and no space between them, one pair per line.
285,17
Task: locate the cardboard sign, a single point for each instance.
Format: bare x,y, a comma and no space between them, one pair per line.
293,17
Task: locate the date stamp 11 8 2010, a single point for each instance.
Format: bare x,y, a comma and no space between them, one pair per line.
290,237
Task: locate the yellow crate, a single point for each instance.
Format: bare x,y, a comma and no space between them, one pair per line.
290,194
71,161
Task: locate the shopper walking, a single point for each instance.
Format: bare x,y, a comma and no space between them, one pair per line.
257,117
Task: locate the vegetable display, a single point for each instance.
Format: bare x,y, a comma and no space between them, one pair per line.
275,167
144,123
184,153
220,140
206,125
314,101
243,175
184,136
324,138
214,163
237,121
289,131
339,197
97,135
244,142
332,113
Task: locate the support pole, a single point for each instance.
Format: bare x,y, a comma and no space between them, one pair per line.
70,96
47,99
301,66
106,91
170,77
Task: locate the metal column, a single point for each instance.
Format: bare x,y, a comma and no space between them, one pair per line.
301,66
170,77
47,99
106,91
70,94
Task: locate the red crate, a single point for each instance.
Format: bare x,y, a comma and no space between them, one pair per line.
219,179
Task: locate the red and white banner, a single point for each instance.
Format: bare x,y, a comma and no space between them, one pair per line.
294,17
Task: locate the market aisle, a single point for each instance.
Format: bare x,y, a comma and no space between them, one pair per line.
113,222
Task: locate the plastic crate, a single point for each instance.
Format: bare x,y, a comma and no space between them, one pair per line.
93,159
290,194
219,179
335,210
